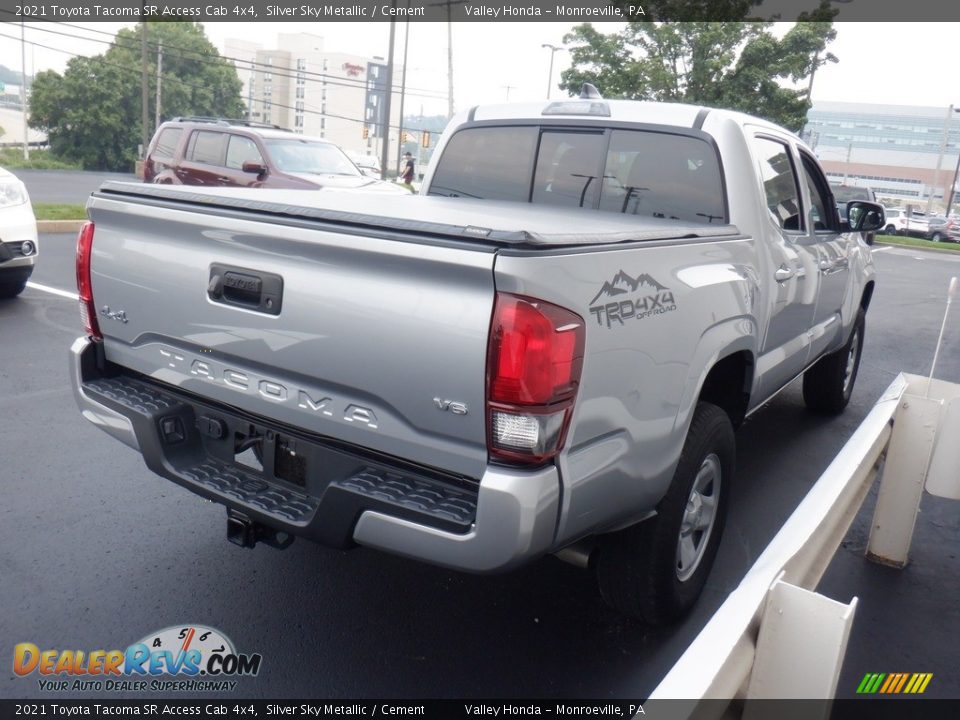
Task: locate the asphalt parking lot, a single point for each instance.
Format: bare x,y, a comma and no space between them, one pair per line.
97,552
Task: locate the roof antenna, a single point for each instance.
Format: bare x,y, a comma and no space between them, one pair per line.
590,92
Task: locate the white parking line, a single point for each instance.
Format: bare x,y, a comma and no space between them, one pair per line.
53,291
881,249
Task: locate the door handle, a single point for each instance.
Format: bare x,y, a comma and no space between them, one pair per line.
784,273
826,266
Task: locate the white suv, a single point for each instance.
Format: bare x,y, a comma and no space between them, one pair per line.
18,235
899,224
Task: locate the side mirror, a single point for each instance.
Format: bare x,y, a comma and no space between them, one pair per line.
251,166
865,217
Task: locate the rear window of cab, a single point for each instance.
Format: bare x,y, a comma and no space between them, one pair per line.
632,172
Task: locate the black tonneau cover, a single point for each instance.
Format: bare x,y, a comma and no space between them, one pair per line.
492,221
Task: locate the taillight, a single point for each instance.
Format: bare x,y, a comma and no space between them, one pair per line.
88,314
534,360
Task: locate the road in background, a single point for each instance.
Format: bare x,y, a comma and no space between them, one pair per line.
96,551
66,186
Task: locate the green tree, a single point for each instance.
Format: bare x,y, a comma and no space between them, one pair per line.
92,112
737,64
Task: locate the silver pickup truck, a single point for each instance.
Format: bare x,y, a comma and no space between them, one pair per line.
546,351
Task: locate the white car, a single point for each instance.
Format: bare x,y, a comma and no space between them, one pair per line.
368,164
899,224
18,235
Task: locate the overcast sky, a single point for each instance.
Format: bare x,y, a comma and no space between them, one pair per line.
893,63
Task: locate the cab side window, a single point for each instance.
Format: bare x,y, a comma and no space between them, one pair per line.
822,205
240,150
779,179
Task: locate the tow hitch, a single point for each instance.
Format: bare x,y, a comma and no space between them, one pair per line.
246,532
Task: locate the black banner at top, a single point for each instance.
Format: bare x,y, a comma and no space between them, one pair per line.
565,11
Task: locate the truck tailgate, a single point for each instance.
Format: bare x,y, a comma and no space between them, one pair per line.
373,342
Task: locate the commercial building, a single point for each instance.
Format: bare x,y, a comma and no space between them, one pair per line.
302,87
893,149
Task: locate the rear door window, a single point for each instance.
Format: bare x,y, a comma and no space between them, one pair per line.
207,147
779,183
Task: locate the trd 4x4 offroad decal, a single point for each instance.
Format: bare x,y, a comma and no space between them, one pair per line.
630,298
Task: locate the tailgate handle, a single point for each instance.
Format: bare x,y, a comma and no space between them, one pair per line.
245,288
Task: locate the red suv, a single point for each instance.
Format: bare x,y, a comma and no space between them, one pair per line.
237,153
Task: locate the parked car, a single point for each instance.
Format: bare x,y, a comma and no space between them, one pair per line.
18,235
215,152
546,351
843,194
941,228
898,222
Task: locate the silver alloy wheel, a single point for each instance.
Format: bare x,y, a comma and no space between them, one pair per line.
851,361
699,517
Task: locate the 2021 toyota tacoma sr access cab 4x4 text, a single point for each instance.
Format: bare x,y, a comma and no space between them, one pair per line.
549,348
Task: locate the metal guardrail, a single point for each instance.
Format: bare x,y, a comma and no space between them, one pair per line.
775,622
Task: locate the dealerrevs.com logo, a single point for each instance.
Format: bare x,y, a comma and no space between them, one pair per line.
198,657
626,298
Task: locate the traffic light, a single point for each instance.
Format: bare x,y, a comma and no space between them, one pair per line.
366,132
425,138
403,137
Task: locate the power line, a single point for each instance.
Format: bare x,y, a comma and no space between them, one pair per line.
330,79
175,79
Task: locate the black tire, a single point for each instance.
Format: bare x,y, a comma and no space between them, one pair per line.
827,386
936,237
890,230
9,290
639,569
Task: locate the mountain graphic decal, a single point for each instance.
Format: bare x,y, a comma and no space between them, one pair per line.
623,283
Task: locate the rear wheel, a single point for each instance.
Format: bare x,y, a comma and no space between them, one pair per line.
890,230
827,386
656,570
936,237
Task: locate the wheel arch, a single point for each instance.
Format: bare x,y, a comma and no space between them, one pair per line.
728,384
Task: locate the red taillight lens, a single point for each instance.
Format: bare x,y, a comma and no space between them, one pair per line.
88,313
535,357
535,351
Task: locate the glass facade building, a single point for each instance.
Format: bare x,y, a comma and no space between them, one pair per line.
893,149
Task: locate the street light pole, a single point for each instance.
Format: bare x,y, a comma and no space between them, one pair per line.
23,89
956,172
553,51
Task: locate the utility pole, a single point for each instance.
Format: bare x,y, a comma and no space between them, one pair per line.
403,89
23,88
953,185
156,122
385,148
449,62
144,91
943,147
846,167
508,88
448,4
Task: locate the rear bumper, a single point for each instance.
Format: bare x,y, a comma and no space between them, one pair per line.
318,488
